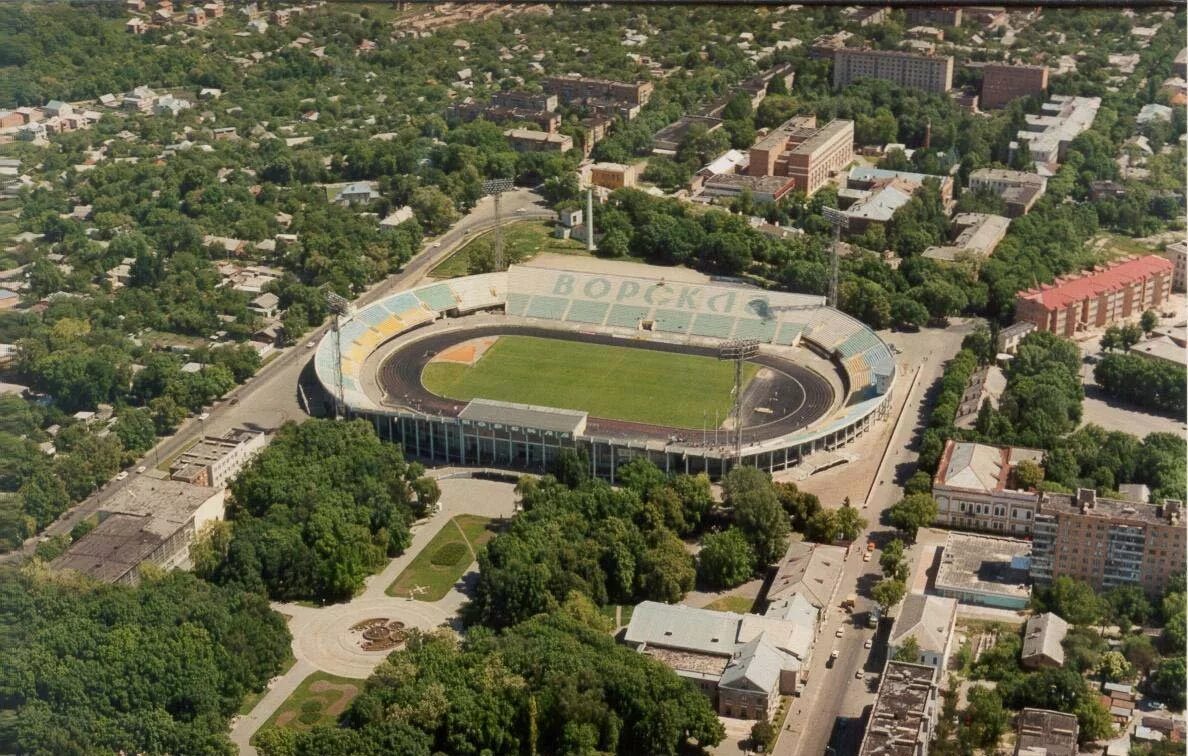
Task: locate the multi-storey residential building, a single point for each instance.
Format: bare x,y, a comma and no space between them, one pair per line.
1107,542
575,89
799,150
524,100
876,194
934,15
1019,190
929,73
1062,119
1178,254
904,714
471,110
527,140
215,460
1002,83
975,488
1097,298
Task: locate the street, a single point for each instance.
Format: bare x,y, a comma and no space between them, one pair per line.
269,399
830,710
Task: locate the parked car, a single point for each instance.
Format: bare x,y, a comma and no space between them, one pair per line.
140,470
859,674
840,632
869,643
121,475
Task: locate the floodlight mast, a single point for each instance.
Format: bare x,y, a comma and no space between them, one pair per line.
495,188
839,221
738,351
338,306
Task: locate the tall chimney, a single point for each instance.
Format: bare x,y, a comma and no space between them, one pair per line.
590,219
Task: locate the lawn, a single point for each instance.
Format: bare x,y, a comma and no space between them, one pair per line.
740,604
321,698
444,559
612,382
522,241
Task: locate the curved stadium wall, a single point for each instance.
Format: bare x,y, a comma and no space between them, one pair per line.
496,434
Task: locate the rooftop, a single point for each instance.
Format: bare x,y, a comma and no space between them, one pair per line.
1068,290
1043,637
525,415
901,711
984,564
811,570
1087,502
979,467
928,619
163,499
1002,174
703,631
1047,733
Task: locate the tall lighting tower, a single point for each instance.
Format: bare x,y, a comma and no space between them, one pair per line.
839,221
496,188
339,306
738,351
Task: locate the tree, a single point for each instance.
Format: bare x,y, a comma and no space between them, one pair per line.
912,513
726,559
849,523
763,735
909,651
1072,599
1140,652
434,208
136,430
570,468
888,592
985,719
1028,475
1149,321
1168,682
757,512
822,527
1127,605
919,483
893,561
1113,667
907,312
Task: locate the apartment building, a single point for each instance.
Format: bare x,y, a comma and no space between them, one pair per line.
524,100
929,73
470,110
215,460
1178,254
1018,189
802,151
1097,298
527,140
1002,83
931,622
934,15
1062,119
576,89
1108,542
975,489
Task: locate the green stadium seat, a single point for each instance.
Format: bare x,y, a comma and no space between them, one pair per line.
516,303
438,297
584,311
749,328
626,316
547,308
671,321
788,333
714,326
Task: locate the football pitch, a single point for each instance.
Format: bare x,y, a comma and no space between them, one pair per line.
610,382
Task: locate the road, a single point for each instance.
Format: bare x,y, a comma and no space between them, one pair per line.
830,710
270,399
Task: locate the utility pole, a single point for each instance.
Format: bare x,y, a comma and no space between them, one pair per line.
838,220
738,351
339,306
496,188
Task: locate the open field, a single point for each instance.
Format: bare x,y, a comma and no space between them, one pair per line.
522,241
610,382
444,559
320,699
740,604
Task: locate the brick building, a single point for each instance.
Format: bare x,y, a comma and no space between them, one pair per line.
1178,254
1097,298
575,89
613,175
1108,542
800,150
1002,83
1018,189
527,140
929,73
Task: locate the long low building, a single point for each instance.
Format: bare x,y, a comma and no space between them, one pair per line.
1019,190
985,571
148,521
978,235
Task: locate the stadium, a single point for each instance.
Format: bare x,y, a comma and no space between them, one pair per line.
506,369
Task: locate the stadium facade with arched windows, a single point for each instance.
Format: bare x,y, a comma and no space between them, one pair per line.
643,310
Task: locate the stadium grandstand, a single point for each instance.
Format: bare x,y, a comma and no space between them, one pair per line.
373,372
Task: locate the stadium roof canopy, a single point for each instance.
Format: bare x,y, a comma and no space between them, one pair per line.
526,415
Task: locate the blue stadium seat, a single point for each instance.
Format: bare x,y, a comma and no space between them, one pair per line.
671,321
788,333
585,311
372,316
748,328
400,303
715,326
548,308
438,297
516,303
626,316
352,331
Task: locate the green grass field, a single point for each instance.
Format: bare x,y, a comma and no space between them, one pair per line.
321,698
619,383
443,560
522,240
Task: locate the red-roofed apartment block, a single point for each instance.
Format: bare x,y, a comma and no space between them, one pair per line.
1097,298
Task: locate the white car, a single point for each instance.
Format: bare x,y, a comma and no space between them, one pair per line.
522,210
840,632
866,556
311,344
859,674
204,416
141,469
868,644
122,474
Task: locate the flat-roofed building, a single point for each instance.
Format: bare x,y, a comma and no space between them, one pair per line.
1097,298
904,714
930,621
934,15
1046,733
1108,542
877,194
527,140
1002,82
1018,189
215,460
809,155
984,571
1161,349
1042,639
147,521
929,73
762,188
574,89
975,488
978,235
1062,119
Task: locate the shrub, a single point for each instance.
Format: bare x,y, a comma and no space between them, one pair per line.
449,554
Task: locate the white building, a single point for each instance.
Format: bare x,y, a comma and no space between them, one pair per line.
930,620
215,460
975,488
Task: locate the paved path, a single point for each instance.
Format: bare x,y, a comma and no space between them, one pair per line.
322,636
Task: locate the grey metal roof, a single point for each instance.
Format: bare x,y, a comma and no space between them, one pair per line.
756,666
525,415
928,619
809,569
677,626
1043,636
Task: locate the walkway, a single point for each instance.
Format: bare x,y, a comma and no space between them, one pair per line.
322,636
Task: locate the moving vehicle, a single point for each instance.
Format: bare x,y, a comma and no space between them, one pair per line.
869,642
866,557
850,601
832,657
872,618
859,674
